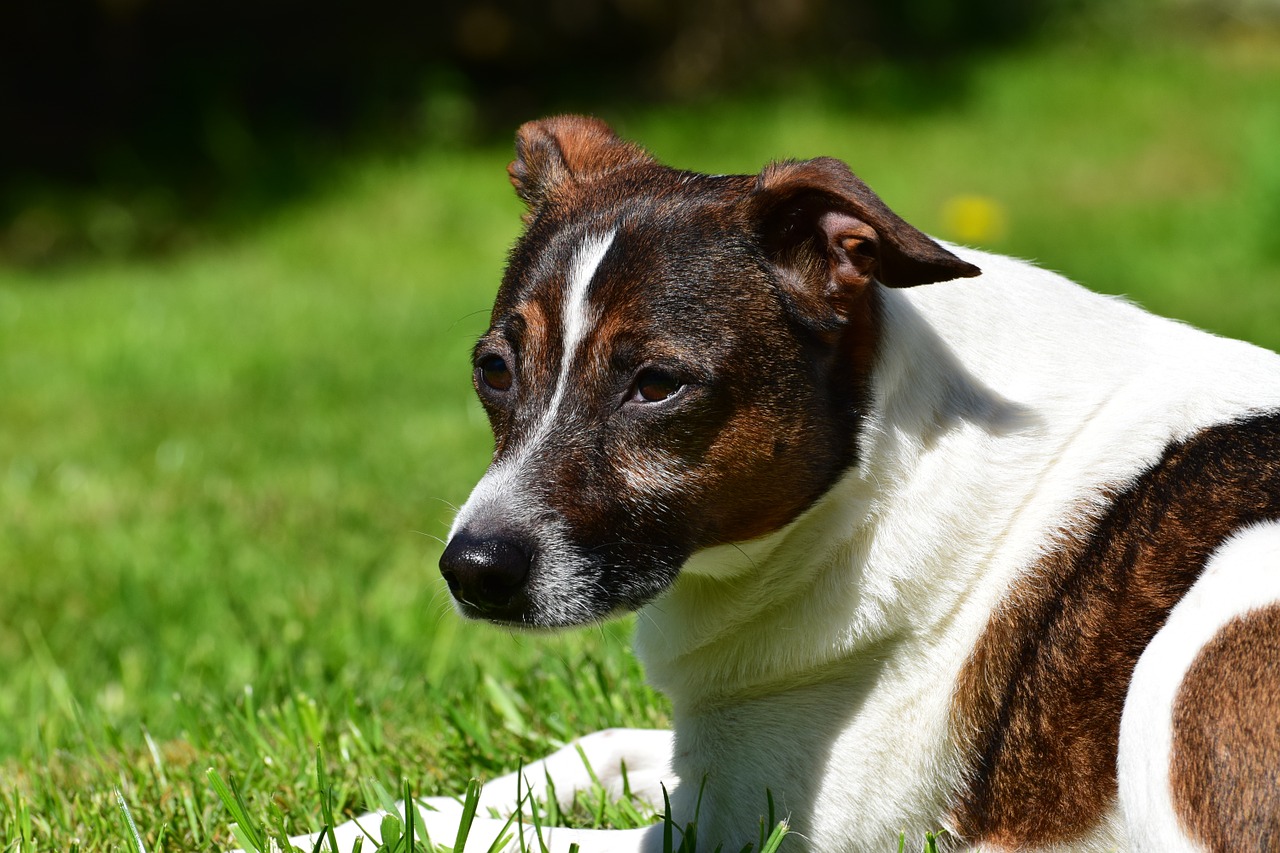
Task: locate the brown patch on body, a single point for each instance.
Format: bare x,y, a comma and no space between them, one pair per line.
1225,766
1037,707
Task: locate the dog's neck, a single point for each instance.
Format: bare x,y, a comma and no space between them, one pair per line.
846,576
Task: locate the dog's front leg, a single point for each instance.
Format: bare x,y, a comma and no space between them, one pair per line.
441,828
637,760
622,760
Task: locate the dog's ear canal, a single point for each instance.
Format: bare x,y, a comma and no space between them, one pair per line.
820,225
556,153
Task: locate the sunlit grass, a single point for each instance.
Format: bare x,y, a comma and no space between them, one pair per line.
224,476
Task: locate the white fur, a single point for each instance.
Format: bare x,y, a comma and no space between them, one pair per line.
1242,575
818,662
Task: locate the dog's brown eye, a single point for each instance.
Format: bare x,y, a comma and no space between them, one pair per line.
654,386
494,372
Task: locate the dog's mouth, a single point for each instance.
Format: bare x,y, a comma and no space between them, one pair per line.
505,580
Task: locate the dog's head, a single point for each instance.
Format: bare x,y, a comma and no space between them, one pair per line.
675,361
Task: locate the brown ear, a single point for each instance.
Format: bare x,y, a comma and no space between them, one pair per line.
556,151
817,219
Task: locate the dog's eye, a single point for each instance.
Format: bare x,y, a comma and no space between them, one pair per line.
493,372
654,386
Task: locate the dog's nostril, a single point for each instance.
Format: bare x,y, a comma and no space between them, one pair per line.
486,573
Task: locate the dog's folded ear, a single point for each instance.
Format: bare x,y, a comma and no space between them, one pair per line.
817,220
553,153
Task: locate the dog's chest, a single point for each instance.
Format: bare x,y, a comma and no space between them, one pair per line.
871,743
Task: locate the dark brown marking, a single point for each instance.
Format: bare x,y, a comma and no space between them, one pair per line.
1037,706
1225,767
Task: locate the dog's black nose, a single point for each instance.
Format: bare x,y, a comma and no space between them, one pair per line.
486,572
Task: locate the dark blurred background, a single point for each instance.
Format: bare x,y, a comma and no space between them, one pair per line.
135,126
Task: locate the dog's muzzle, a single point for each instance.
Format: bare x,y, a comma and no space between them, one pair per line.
487,574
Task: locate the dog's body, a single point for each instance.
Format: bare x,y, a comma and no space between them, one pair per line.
1000,556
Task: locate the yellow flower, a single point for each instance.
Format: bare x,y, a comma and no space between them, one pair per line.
974,219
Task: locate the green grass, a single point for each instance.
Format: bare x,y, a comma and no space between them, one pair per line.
223,477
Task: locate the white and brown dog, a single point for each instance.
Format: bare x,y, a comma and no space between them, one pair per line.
999,556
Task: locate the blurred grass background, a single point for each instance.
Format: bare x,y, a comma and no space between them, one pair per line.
235,410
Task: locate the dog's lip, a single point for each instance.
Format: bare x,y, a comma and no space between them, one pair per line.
510,612
524,617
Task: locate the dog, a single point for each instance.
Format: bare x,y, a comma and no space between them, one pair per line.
920,538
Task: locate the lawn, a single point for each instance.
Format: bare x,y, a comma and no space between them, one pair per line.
224,475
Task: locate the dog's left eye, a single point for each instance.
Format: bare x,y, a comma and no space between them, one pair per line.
494,372
654,386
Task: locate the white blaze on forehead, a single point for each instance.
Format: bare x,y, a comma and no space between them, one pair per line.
578,316
501,483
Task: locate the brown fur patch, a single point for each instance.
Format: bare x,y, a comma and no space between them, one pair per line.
851,215
536,338
1037,707
567,149
1225,767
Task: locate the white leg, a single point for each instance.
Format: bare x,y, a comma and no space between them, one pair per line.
645,754
442,830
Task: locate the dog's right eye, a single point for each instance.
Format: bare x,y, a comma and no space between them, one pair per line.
492,370
654,386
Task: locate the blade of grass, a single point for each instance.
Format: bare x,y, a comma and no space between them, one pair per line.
391,831
504,837
326,799
553,802
520,798
774,841
471,730
469,805
134,837
410,817
243,826
505,703
667,834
